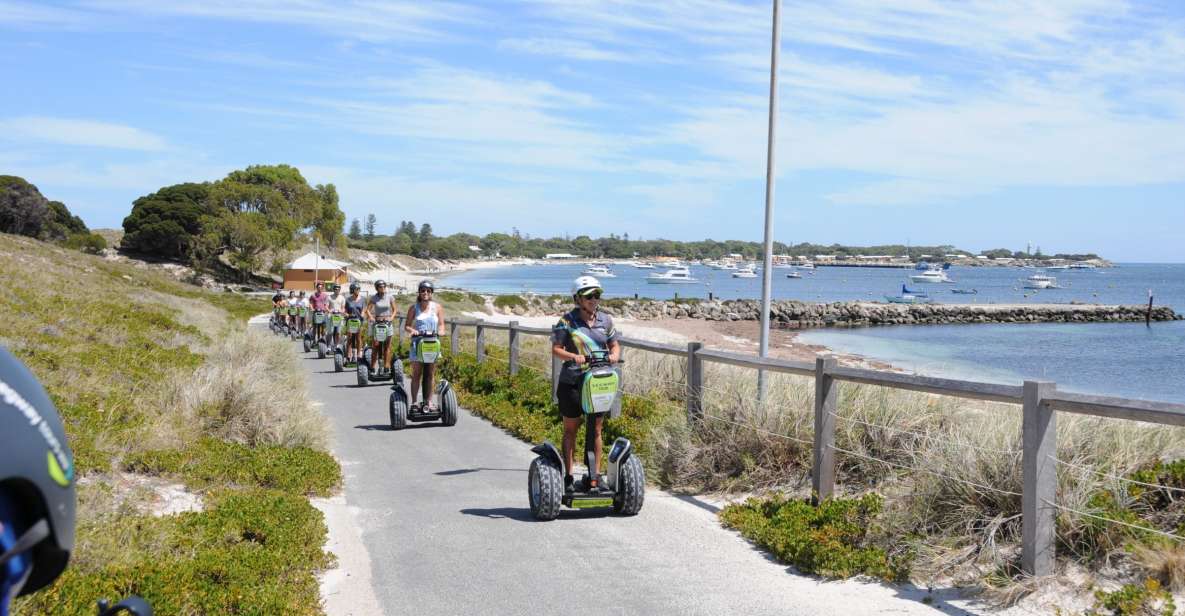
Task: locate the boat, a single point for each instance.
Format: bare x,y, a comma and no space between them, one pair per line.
965,291
1057,267
1041,281
601,271
1082,266
931,276
794,275
745,272
908,298
680,275
907,291
642,265
807,265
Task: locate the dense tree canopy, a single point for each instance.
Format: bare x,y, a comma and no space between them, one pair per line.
166,222
25,211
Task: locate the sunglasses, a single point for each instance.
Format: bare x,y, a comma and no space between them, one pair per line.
593,295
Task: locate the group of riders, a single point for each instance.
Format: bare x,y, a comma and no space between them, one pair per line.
574,336
348,322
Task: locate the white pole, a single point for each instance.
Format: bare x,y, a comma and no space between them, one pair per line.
317,270
767,272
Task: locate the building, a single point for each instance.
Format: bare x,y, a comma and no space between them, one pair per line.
303,273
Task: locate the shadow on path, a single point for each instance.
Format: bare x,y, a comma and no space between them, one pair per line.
523,514
464,471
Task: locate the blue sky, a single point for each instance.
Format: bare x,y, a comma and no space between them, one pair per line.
979,123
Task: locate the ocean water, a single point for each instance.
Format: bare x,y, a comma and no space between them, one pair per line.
1119,359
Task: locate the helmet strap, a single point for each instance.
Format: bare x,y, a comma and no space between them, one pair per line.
36,534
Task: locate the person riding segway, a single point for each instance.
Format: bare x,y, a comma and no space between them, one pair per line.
588,387
337,323
376,363
37,498
277,322
355,306
302,320
292,307
425,318
319,305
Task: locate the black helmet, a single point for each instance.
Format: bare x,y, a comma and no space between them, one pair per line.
36,474
425,284
354,287
380,283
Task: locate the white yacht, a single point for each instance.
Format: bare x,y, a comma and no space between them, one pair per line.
679,275
806,265
748,271
1082,266
1041,281
931,276
642,265
600,271
794,275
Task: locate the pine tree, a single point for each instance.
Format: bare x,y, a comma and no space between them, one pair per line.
370,222
355,230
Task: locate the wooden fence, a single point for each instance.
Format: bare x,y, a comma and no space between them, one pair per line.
1039,400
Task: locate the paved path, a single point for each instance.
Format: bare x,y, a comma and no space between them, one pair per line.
443,513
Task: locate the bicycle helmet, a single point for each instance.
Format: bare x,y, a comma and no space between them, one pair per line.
355,287
585,285
425,284
37,500
380,283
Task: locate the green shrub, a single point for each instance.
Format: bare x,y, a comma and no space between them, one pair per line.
211,462
1147,599
831,539
510,301
92,243
450,296
249,552
477,298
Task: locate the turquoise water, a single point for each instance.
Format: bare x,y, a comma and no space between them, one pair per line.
1120,359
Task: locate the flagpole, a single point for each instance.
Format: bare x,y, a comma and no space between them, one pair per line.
770,169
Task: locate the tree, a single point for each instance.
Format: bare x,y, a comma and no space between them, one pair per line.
23,210
370,223
167,222
60,224
355,230
425,236
331,220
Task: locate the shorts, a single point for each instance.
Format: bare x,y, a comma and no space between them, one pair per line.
568,395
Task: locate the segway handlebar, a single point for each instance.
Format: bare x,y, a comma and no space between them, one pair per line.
132,605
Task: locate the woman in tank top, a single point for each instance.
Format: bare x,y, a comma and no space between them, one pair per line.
380,308
425,317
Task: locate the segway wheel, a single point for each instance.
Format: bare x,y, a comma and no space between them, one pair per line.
632,490
545,487
363,374
398,410
338,361
321,350
448,407
307,343
366,353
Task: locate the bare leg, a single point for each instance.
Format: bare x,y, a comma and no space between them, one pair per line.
571,426
416,370
428,370
599,447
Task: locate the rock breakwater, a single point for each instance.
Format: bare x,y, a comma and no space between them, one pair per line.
795,314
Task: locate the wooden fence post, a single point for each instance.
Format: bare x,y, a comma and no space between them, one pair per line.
513,338
695,382
454,346
481,342
1038,513
823,470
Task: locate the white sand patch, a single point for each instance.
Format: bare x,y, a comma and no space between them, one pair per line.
174,498
347,589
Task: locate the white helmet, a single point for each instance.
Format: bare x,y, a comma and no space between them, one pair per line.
584,284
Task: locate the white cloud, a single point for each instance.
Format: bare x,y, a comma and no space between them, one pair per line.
70,131
562,48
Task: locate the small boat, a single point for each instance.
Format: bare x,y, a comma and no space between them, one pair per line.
965,291
907,291
746,272
794,275
600,271
680,275
931,276
1057,267
1041,281
908,298
806,265
1082,266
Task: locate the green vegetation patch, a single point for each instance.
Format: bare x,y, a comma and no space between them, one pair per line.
249,552
831,539
510,301
1147,599
212,463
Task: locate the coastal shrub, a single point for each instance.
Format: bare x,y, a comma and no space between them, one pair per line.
212,463
1147,599
250,551
510,301
477,298
831,539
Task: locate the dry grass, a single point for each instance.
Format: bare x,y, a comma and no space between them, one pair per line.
251,391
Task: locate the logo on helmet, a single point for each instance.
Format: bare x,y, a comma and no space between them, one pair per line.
61,467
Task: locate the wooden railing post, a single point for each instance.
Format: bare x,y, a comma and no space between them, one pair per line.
453,344
695,382
481,342
1038,513
513,339
823,470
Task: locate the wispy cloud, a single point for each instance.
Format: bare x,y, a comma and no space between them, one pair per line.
563,48
76,132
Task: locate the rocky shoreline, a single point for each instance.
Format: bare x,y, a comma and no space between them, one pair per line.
799,315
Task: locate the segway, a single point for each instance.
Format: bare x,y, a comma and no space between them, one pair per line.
319,321
399,410
289,328
382,335
624,486
353,326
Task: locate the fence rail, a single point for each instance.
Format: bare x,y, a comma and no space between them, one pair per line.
1040,402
